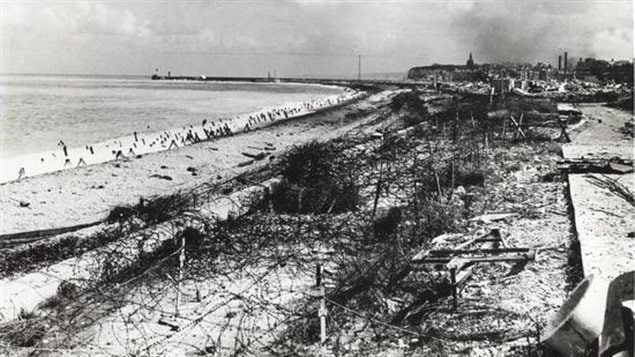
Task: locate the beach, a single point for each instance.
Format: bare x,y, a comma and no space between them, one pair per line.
59,123
86,194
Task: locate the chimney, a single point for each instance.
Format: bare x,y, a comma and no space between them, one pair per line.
559,62
565,62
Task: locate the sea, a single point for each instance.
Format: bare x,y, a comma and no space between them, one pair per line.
39,111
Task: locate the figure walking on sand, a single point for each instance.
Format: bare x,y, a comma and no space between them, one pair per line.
21,173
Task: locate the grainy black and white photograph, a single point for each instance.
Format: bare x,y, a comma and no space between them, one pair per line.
317,178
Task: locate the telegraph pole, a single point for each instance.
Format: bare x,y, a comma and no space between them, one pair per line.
359,67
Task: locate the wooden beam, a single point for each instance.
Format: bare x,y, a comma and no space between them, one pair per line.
447,252
483,259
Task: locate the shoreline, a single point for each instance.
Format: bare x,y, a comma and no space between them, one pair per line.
88,193
136,144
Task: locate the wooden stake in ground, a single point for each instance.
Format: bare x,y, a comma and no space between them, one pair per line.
564,136
504,131
178,282
486,144
322,314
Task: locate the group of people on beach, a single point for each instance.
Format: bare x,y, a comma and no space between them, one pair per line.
187,135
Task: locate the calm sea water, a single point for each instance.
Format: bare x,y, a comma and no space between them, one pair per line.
36,112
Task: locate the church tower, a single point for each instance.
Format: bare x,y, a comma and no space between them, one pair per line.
470,62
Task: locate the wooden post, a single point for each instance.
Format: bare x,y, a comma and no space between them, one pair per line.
455,129
318,275
453,282
378,188
436,177
486,144
178,282
478,157
452,171
322,315
563,130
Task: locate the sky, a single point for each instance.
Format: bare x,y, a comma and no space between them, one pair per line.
302,38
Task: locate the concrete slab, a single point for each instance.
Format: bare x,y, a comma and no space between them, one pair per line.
603,219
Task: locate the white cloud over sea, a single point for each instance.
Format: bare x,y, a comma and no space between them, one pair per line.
302,37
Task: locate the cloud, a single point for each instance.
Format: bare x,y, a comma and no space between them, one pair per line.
231,38
71,18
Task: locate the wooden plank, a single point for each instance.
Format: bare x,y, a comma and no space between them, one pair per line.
491,236
447,252
482,259
44,233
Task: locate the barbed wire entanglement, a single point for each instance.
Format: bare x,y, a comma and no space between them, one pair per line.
334,223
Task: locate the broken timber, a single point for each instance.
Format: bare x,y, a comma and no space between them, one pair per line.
460,262
561,122
614,165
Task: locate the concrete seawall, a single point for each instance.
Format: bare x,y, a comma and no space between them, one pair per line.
603,220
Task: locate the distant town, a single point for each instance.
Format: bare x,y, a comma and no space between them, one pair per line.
530,78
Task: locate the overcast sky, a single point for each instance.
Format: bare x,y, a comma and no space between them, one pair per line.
249,38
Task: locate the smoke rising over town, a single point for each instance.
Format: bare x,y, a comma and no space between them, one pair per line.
534,31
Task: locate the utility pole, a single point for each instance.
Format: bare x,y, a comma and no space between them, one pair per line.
359,67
